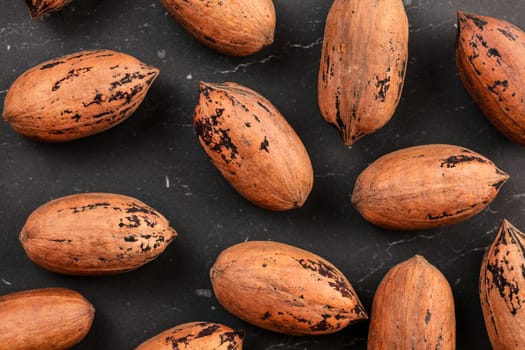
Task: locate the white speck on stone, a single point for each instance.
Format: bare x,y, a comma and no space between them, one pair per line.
8,47
189,76
407,2
6,282
205,293
212,307
457,282
167,182
161,53
219,226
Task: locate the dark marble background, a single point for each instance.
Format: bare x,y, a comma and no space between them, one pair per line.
155,157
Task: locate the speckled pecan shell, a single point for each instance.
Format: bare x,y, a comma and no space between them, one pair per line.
51,318
253,146
490,56
231,27
426,186
77,95
95,234
413,308
284,289
196,336
42,7
502,289
363,64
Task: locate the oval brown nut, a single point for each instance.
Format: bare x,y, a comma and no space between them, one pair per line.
413,308
95,234
427,186
231,27
51,318
490,56
502,289
284,289
363,65
196,336
77,95
253,146
42,7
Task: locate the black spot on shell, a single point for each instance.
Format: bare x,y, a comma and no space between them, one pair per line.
89,207
136,208
263,106
70,75
217,139
264,145
96,100
507,34
212,328
339,120
453,161
493,52
126,79
321,326
51,65
383,85
211,40
478,22
335,279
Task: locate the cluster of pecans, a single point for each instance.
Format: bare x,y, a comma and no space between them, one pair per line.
269,284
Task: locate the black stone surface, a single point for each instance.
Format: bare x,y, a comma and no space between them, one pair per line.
155,157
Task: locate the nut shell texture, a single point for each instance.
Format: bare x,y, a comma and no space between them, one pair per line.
502,289
284,289
363,65
196,336
253,146
52,318
42,7
427,186
95,234
413,308
490,57
231,27
77,95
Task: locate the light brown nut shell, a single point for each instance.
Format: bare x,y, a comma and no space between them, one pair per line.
502,289
42,7
284,289
490,56
77,95
51,318
231,27
426,186
196,336
95,234
363,65
413,308
253,146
